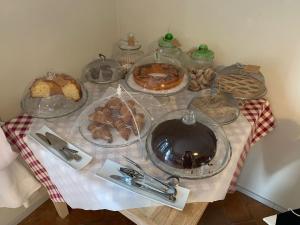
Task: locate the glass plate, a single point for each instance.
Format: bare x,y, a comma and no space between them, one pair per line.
134,86
53,106
215,166
221,107
118,141
243,85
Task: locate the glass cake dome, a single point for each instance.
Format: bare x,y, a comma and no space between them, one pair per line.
188,144
157,74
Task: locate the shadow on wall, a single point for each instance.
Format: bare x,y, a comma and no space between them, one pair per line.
284,149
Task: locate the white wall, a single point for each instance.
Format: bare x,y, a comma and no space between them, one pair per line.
255,32
39,35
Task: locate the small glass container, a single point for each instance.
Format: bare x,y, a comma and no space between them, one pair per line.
169,46
199,63
128,52
102,71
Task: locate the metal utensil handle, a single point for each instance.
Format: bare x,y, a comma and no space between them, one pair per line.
166,196
70,150
151,178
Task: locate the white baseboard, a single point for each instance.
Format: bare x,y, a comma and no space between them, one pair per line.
261,199
15,216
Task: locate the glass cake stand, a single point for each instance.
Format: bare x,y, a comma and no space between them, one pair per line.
183,152
52,107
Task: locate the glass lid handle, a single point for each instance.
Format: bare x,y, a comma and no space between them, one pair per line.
130,39
102,57
189,118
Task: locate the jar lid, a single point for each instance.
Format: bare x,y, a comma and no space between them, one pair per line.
203,53
103,70
168,41
130,43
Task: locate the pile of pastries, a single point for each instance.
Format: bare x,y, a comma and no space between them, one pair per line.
201,79
56,84
118,115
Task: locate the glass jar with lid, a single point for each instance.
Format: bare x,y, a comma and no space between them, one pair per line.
169,46
199,63
128,52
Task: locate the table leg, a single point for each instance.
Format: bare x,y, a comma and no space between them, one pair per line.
61,209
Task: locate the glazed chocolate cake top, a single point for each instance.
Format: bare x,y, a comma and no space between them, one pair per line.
183,146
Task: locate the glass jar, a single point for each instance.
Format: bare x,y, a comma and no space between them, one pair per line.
169,46
199,63
128,52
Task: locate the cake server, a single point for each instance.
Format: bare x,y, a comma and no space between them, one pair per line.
61,145
46,141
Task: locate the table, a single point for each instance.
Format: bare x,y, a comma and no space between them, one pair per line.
257,112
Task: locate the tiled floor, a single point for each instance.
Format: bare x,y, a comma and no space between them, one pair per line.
236,209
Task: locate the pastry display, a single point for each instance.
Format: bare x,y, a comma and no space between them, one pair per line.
58,84
157,76
240,86
221,107
201,79
116,115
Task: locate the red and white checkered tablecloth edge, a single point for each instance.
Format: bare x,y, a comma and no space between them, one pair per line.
257,112
15,130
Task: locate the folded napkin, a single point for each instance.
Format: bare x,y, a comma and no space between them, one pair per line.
17,184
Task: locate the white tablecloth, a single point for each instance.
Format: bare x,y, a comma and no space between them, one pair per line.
81,189
16,182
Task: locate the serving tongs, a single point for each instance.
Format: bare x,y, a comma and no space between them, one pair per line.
142,186
139,175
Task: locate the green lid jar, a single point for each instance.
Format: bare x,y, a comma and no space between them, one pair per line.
167,46
202,53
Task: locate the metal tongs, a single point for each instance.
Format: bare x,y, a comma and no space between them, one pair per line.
148,181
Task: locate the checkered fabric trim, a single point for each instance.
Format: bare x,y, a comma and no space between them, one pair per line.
15,130
259,115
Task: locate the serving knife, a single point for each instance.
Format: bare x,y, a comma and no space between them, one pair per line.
59,143
129,181
46,141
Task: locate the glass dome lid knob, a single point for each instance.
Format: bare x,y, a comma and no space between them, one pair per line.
203,52
189,118
168,37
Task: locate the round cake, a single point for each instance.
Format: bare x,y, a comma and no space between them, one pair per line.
183,146
158,76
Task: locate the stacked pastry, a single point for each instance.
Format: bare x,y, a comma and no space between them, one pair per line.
118,115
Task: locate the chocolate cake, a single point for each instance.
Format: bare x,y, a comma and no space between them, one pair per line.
183,146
